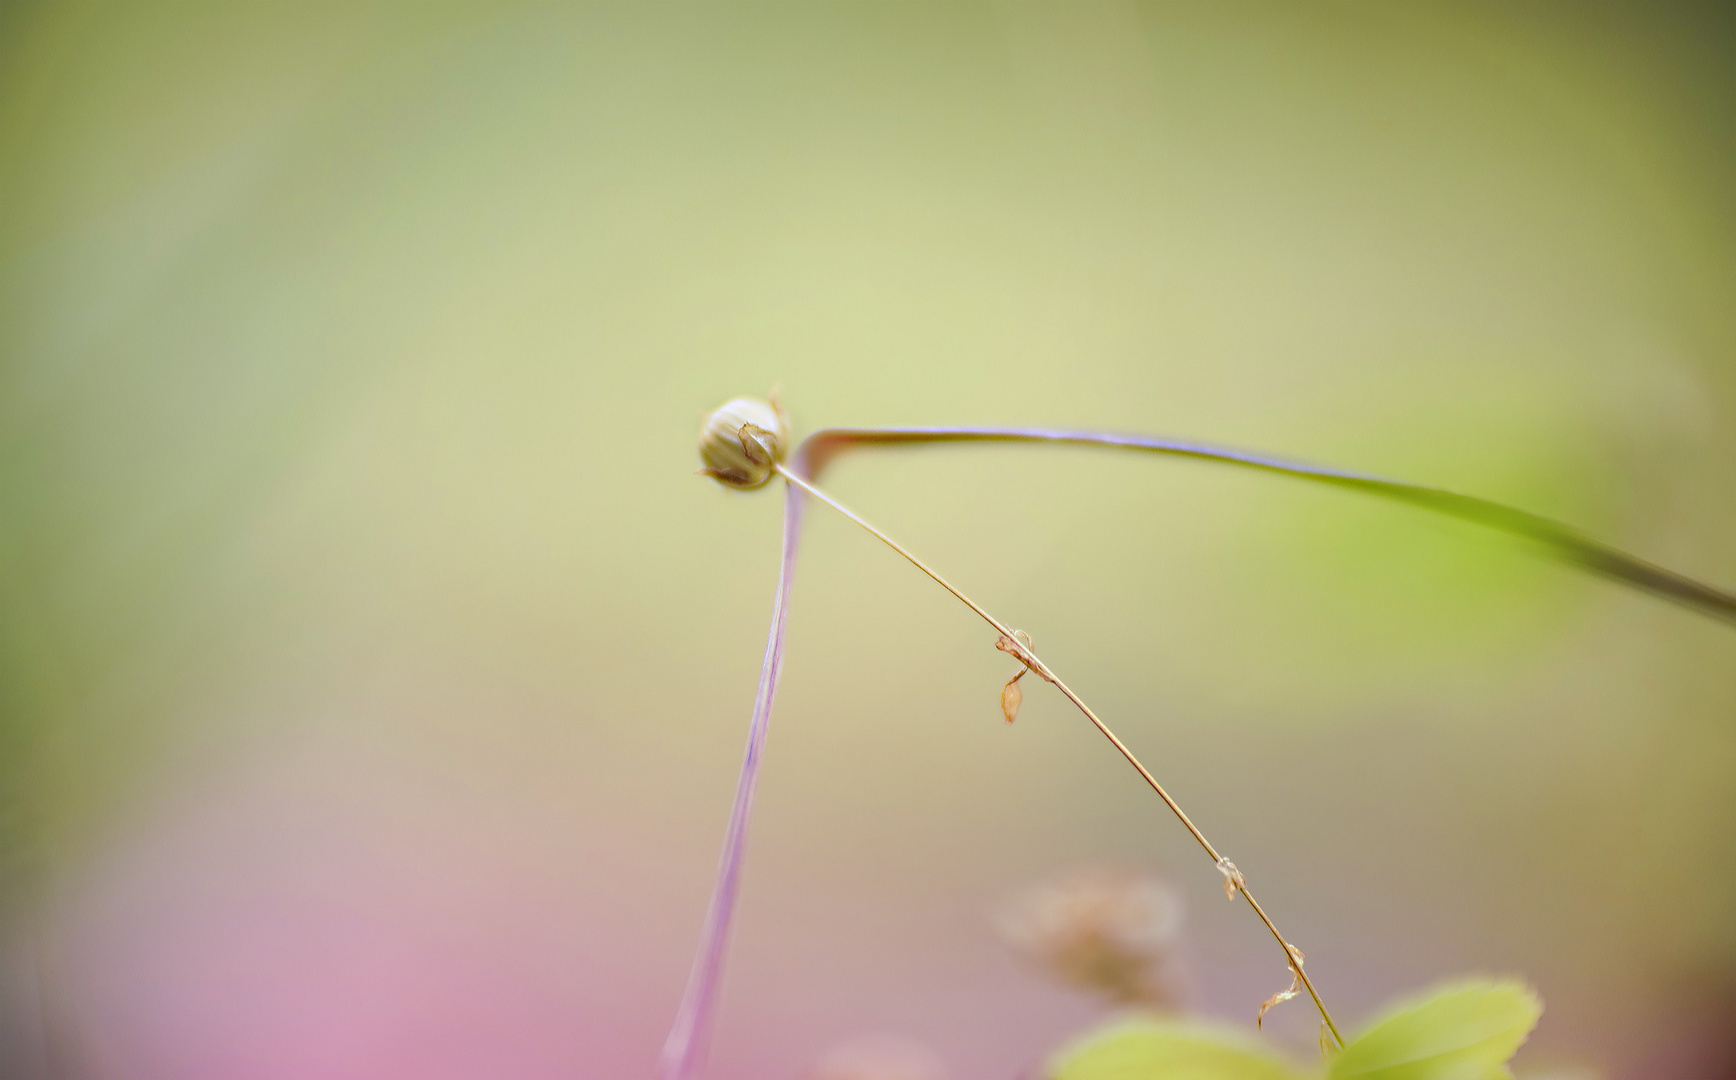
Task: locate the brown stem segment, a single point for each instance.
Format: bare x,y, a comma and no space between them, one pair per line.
1030,658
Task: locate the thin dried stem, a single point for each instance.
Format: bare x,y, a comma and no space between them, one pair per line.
1043,671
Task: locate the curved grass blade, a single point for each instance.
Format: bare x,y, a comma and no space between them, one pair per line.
1557,539
690,1035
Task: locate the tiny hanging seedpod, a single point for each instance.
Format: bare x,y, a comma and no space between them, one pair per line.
1285,995
1019,646
1012,697
742,441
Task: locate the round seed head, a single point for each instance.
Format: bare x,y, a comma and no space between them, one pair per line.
742,440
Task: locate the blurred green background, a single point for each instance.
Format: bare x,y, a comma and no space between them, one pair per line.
374,671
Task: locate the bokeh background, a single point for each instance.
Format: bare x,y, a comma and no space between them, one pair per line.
375,671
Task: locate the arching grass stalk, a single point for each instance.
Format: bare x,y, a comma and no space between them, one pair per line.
745,443
1556,539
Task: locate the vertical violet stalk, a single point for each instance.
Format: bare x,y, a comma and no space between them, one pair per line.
684,1050
690,1036
744,444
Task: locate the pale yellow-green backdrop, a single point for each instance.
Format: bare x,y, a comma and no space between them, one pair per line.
375,671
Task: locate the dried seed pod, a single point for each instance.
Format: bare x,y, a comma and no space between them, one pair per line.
1233,879
1285,995
1012,697
1019,647
742,440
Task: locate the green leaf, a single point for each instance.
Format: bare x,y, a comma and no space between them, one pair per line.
1466,1031
1151,1049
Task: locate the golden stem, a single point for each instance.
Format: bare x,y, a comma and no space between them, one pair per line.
1048,675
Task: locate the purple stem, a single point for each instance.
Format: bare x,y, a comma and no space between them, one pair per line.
690,1036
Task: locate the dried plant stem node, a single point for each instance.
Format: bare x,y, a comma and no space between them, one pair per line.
743,442
1019,646
1234,882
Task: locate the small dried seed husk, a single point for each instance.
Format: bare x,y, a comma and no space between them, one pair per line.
1283,995
1012,697
1233,879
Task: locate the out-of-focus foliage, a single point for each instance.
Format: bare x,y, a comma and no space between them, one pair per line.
1462,1032
1144,1049
1467,1031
